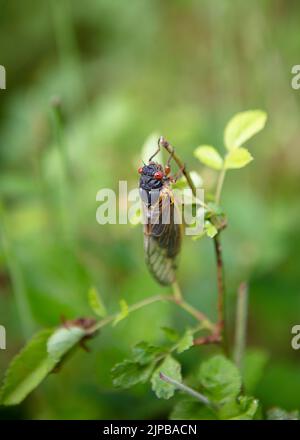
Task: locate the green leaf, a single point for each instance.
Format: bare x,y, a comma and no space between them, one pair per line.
209,156
220,379
186,341
171,367
27,370
171,334
138,369
281,414
254,365
144,353
191,409
37,359
96,302
210,229
123,313
129,373
248,407
63,340
242,127
238,158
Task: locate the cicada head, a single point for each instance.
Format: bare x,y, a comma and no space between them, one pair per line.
152,176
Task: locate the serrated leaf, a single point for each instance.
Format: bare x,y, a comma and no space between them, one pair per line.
242,127
123,313
129,373
96,302
171,334
27,369
144,353
191,409
208,155
281,414
210,229
220,379
63,340
171,367
186,341
238,158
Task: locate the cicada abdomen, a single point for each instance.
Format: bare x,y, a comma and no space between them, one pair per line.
162,228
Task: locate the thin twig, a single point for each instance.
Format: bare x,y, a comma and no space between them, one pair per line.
221,290
177,291
171,150
199,316
218,250
241,324
182,387
215,338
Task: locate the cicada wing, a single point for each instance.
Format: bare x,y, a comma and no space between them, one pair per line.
162,267
163,237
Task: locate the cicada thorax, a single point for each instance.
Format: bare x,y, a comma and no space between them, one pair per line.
162,228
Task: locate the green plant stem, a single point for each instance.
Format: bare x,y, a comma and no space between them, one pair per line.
241,324
199,316
220,183
177,291
182,387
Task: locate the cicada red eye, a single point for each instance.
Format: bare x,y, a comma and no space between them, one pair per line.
167,170
158,175
140,170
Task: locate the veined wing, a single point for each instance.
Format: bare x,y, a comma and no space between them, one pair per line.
163,233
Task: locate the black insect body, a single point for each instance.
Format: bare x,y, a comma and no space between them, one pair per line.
162,228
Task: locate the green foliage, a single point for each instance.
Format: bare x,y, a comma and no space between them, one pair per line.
242,127
129,373
220,379
96,302
238,130
210,229
171,367
27,369
138,369
144,353
209,156
171,334
237,158
186,341
37,359
123,313
220,382
189,408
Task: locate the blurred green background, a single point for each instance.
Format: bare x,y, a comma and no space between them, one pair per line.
121,71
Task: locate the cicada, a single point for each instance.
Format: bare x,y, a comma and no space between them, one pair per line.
162,225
